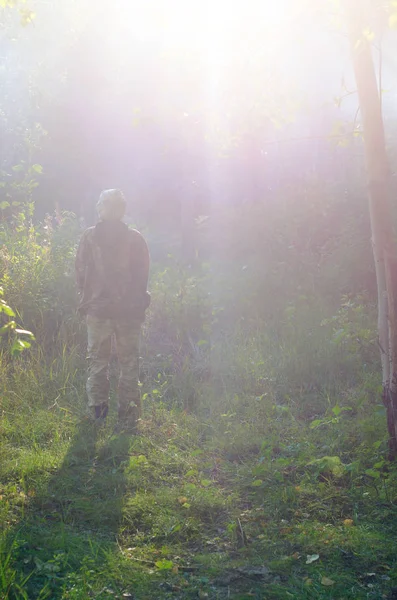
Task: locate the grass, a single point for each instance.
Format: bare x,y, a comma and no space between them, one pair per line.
259,470
226,506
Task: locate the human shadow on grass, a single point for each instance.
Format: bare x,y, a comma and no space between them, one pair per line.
70,527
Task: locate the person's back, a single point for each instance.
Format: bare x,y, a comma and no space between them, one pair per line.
112,268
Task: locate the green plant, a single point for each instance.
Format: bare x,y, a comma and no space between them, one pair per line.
353,327
15,337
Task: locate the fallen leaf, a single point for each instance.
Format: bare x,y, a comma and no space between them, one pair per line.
348,522
182,499
326,581
296,556
312,558
202,595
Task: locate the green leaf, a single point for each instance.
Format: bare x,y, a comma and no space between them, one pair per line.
332,464
137,461
19,346
164,565
7,310
337,410
4,205
257,483
191,473
23,345
7,327
372,473
379,464
37,169
197,452
190,487
205,482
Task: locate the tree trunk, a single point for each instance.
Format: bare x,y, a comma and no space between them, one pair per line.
383,241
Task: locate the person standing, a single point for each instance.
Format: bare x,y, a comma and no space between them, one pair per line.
112,271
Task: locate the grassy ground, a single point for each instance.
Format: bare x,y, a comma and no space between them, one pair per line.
270,500
273,486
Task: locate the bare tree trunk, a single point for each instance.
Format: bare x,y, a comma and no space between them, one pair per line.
383,241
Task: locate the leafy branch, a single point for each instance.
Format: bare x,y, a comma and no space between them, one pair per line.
10,329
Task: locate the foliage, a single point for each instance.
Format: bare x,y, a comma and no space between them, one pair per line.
280,459
16,337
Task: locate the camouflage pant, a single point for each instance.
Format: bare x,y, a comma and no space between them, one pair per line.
100,332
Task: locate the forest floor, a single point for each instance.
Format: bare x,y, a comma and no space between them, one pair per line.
194,509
